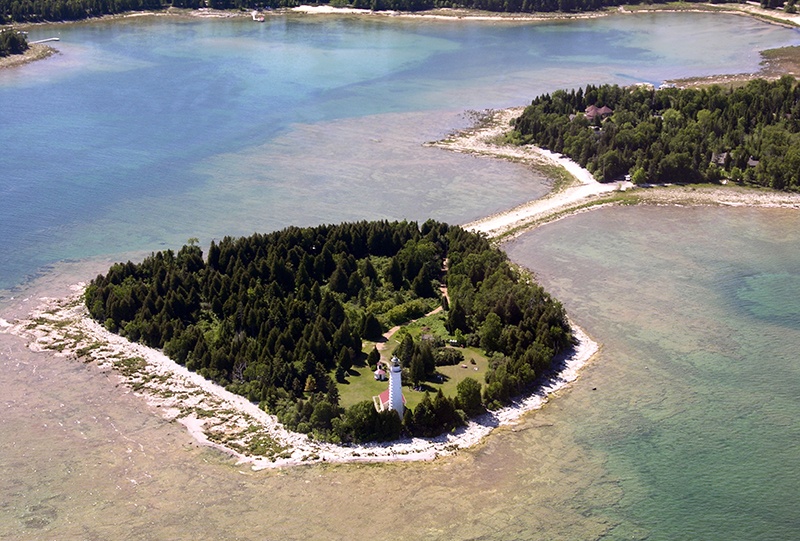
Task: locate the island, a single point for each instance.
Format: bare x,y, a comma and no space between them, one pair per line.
283,348
291,327
288,318
290,347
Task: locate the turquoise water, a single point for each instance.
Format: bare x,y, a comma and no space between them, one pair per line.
683,427
144,133
700,318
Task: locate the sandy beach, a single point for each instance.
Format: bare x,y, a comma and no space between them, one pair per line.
446,14
776,16
484,141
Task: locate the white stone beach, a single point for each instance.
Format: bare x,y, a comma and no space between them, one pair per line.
229,422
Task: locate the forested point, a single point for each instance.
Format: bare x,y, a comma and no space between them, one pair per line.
63,10
12,42
281,318
749,134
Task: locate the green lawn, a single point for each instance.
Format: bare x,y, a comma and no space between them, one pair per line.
455,374
361,385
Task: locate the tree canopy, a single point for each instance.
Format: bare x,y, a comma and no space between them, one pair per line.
58,10
279,318
12,42
747,134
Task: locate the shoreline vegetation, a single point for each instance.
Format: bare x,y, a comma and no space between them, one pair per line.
236,426
776,62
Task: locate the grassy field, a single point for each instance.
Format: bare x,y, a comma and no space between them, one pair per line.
361,385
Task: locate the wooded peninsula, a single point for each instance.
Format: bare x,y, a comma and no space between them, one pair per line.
283,318
749,134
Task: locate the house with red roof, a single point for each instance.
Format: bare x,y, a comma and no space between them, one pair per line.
593,112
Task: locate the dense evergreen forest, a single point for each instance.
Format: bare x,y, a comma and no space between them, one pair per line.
748,134
12,42
58,10
281,318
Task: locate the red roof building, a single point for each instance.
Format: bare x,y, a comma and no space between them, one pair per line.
383,400
593,112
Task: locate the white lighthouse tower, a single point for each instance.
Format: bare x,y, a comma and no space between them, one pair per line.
396,387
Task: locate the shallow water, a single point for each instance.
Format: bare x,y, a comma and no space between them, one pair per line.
683,427
145,132
697,383
128,141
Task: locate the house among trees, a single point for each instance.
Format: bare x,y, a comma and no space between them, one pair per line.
719,158
593,112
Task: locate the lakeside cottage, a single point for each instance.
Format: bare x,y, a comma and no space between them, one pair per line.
593,112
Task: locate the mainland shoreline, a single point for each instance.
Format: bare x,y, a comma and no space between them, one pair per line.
439,14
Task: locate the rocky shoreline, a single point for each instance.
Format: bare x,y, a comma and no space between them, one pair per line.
218,418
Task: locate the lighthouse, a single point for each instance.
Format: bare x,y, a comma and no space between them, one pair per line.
396,387
392,398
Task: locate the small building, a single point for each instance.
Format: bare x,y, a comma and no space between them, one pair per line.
380,374
382,401
593,112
